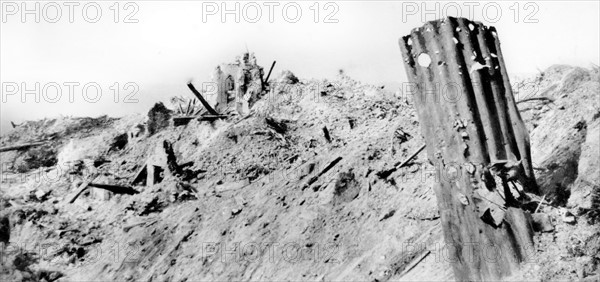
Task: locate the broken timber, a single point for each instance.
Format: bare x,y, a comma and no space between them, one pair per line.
325,170
21,146
270,70
82,188
117,189
385,173
477,124
183,120
202,100
326,134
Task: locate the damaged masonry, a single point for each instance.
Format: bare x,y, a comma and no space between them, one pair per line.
239,84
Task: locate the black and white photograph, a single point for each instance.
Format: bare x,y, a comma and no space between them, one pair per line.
309,140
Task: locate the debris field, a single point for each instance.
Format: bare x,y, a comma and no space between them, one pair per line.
280,179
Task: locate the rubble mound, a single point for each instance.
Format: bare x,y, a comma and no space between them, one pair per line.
303,187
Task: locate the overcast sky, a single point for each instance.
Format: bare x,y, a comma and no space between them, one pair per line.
157,46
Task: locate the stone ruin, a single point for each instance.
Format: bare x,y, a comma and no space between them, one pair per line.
239,85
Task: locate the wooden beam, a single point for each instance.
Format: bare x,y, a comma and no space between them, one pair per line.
405,162
202,100
82,188
385,173
270,70
117,189
330,166
189,107
21,146
326,134
546,99
177,121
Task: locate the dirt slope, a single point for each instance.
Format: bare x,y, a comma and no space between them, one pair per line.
266,207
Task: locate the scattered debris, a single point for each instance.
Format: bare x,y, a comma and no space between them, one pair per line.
274,206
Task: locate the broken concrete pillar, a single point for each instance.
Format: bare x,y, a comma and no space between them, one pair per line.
476,139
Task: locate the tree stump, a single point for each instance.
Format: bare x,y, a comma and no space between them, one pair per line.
478,143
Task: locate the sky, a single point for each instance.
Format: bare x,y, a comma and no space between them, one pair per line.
114,58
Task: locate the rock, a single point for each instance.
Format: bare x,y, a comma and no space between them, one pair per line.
235,212
568,217
542,222
40,195
586,266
